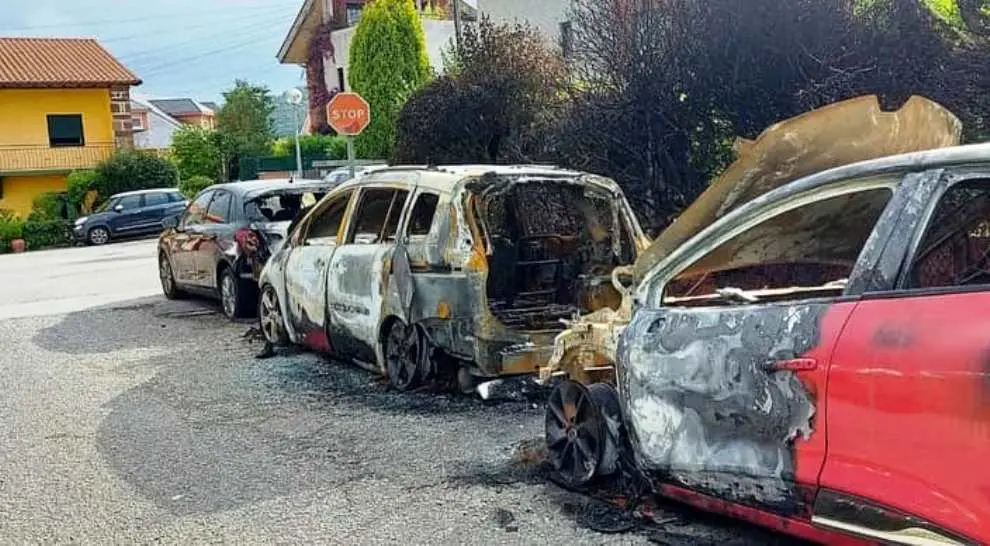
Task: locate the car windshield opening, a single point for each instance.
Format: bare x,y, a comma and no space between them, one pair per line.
279,207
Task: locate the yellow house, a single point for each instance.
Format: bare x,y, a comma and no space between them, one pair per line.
64,105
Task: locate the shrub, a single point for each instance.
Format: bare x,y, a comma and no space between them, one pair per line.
311,146
79,184
51,205
11,227
388,62
196,152
134,170
41,232
193,185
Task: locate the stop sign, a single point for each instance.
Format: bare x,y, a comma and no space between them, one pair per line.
348,114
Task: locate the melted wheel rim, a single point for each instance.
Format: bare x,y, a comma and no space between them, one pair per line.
575,433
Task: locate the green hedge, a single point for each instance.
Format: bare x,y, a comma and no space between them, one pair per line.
40,232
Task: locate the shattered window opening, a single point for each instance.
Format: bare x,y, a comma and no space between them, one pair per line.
377,215
955,250
325,227
423,211
196,212
219,211
805,252
279,207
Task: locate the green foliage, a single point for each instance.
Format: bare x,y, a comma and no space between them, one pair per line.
133,170
196,152
246,118
333,147
79,183
51,205
11,227
194,184
44,232
494,105
388,62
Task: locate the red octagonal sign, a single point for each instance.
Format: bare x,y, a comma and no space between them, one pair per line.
348,114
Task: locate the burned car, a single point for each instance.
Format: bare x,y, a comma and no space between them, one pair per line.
415,272
219,244
815,360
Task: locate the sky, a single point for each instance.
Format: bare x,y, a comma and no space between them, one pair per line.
179,48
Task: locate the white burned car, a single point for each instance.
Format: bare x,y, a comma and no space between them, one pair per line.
416,272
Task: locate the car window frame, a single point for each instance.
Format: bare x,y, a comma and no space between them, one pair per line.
185,213
350,235
301,236
947,181
163,194
652,290
120,202
230,207
411,205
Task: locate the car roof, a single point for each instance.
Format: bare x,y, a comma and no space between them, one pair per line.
255,187
444,178
141,192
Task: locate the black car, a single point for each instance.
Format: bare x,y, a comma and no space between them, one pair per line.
218,245
129,214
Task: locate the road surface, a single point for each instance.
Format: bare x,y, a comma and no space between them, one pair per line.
129,419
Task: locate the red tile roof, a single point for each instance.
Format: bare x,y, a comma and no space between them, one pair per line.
59,62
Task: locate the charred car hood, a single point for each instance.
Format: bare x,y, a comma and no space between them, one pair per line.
834,135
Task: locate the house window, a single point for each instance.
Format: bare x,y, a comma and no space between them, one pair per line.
353,13
138,122
65,130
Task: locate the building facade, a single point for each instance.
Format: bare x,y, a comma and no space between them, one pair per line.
320,36
64,105
153,128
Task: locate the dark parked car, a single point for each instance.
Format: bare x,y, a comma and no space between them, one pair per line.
129,214
218,245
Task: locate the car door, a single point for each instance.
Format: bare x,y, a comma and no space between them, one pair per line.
909,387
723,367
355,290
126,215
212,236
306,270
155,206
183,243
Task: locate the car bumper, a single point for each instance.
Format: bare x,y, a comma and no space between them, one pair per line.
79,232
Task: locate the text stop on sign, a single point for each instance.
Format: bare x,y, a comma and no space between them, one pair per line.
348,114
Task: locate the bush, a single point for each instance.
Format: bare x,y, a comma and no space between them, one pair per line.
11,227
79,184
51,205
134,170
388,62
40,232
334,147
194,184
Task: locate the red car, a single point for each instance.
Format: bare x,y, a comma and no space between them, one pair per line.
816,358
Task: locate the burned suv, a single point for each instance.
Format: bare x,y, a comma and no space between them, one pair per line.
415,272
807,348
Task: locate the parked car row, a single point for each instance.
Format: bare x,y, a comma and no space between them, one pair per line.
803,348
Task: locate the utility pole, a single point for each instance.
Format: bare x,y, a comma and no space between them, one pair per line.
294,98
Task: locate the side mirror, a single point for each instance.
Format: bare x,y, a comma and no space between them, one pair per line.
170,222
119,208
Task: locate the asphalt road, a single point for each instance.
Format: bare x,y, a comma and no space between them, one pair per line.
125,418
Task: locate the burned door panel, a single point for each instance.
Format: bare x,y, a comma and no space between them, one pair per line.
355,296
712,405
305,286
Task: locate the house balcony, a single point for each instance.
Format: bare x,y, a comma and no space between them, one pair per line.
40,158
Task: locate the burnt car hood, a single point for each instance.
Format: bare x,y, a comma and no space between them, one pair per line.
834,135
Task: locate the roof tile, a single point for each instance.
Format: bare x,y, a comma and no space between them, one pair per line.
59,62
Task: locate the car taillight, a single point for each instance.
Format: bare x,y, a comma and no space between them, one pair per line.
248,240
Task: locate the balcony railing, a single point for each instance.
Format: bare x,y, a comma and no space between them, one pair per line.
44,158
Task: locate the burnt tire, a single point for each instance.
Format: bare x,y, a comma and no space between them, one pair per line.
98,236
236,298
575,433
167,277
606,398
402,347
270,317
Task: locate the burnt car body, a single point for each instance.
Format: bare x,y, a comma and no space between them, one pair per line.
218,245
414,271
815,360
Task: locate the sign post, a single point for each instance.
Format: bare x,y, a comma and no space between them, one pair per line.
348,114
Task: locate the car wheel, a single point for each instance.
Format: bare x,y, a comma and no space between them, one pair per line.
98,236
402,352
234,299
167,276
270,317
575,434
